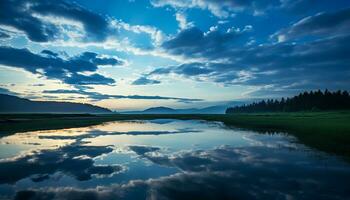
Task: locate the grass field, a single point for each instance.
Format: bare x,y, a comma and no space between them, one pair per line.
326,131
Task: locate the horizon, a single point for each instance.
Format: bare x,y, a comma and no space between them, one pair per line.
134,55
227,104
206,105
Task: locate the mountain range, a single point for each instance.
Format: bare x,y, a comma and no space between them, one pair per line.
218,109
13,104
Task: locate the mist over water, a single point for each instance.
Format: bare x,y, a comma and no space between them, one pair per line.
166,159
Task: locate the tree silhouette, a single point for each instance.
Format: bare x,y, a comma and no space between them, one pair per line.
306,101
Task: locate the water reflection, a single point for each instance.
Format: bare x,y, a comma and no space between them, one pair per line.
166,159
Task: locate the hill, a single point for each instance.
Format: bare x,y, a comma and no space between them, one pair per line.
218,109
13,104
159,110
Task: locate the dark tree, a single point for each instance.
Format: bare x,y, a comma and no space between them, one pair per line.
306,101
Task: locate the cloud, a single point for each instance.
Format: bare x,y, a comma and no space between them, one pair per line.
194,42
156,35
4,35
255,172
7,91
225,73
99,96
97,133
221,8
93,79
321,24
37,84
280,64
31,17
50,65
188,69
227,8
145,81
75,160
142,150
49,53
183,23
311,64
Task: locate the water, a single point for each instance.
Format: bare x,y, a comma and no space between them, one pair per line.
166,159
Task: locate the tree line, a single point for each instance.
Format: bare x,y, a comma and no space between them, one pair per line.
306,101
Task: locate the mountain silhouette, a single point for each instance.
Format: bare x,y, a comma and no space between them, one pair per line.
218,109
159,110
13,104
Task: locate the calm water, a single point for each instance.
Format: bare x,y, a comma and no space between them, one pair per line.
166,159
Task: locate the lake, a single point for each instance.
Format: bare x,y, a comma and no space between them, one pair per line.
166,159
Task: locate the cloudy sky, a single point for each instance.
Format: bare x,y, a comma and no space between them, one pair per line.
134,54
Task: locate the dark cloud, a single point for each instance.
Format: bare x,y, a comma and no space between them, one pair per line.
26,16
99,96
324,24
4,35
50,65
93,58
7,91
194,42
93,79
49,53
142,150
135,190
145,81
217,72
188,69
75,160
312,64
185,161
37,85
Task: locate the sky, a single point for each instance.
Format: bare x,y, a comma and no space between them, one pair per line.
135,54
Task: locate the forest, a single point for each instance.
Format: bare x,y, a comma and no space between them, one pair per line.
306,101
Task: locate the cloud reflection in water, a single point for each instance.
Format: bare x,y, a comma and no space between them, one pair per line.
245,165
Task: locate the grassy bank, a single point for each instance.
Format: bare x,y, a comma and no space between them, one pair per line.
326,131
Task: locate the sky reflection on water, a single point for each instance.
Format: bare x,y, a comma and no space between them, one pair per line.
166,159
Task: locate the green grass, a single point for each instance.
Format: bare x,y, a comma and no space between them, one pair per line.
326,131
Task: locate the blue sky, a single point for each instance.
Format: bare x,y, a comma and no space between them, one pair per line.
134,54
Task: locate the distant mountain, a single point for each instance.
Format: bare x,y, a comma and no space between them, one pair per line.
219,109
214,109
13,104
159,110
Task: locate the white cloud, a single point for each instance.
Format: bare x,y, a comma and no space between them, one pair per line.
183,23
156,35
222,8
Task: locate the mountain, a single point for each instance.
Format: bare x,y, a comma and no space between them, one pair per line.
13,104
218,109
214,109
159,110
